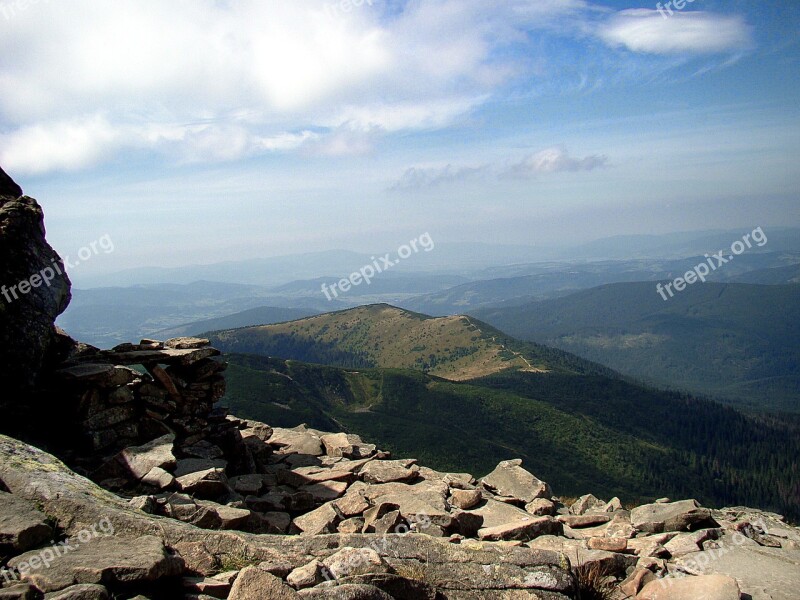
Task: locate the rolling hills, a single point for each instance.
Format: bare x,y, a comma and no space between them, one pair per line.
731,341
457,348
578,432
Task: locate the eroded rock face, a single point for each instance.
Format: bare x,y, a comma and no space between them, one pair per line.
35,290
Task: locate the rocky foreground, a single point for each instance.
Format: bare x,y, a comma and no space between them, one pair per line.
326,515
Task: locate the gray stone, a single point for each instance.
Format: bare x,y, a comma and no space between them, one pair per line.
686,515
465,499
509,479
347,591
84,591
21,591
346,445
322,520
355,561
296,441
523,530
306,576
387,471
140,460
107,560
22,525
706,587
255,584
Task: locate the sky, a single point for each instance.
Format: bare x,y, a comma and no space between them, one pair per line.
200,131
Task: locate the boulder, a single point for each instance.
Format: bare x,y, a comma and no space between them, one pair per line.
84,591
306,576
509,479
387,471
140,460
107,560
322,520
685,515
705,587
296,441
35,291
255,584
523,530
22,525
347,591
465,499
354,561
346,445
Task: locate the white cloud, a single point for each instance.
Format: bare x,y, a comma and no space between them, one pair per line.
650,31
554,160
418,178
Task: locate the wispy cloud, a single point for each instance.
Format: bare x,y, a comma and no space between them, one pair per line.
418,178
646,30
551,160
554,160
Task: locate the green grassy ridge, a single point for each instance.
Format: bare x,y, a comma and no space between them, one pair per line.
360,338
580,433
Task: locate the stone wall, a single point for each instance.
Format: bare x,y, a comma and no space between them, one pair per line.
137,392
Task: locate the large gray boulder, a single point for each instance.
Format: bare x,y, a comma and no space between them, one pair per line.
35,290
22,525
686,515
510,480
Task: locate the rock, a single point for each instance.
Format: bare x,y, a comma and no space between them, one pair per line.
22,525
466,523
306,576
686,515
586,504
84,591
705,587
248,485
687,543
296,441
636,581
387,471
229,517
207,586
763,573
354,561
196,557
37,291
509,479
352,503
613,505
186,343
203,449
145,504
522,530
140,460
578,521
255,584
187,466
465,499
22,591
270,522
541,507
159,478
346,445
351,525
107,560
322,520
347,591
498,513
210,483
608,544
325,491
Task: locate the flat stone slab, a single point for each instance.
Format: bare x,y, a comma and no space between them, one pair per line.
107,560
22,525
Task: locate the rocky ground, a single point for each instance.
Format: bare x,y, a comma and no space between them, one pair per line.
324,515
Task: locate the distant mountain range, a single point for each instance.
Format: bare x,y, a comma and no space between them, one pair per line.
732,341
472,397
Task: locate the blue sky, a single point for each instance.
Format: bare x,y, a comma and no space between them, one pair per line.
202,131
